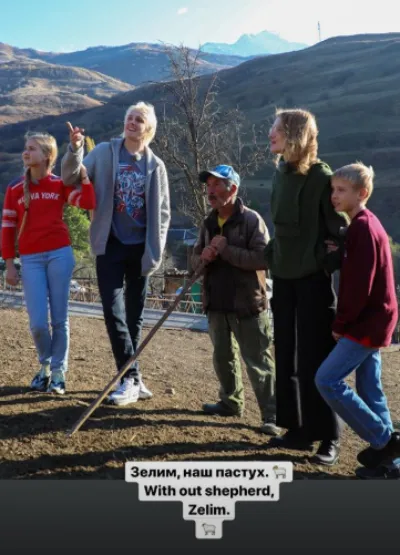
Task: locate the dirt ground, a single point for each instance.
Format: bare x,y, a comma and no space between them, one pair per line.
170,426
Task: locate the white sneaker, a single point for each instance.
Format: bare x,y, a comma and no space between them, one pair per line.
57,387
127,392
57,384
144,392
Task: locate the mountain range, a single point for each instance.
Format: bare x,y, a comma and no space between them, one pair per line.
254,45
35,83
30,88
134,63
351,83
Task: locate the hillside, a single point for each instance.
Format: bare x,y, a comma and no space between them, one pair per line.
352,84
31,88
134,63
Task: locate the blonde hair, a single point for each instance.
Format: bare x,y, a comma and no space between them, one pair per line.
149,115
301,131
359,175
48,146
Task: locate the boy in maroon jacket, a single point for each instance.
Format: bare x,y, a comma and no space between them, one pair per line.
366,317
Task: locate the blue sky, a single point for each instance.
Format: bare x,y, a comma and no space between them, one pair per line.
62,26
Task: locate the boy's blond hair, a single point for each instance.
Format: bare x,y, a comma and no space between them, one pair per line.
359,175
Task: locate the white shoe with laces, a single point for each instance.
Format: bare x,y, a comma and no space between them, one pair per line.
144,392
126,393
57,383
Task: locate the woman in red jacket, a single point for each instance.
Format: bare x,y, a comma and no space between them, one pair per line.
33,207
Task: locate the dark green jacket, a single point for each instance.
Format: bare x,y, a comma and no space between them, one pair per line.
304,219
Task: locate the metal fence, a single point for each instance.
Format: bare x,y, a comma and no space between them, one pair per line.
90,294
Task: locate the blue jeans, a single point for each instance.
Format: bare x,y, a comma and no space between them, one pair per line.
366,411
46,279
123,307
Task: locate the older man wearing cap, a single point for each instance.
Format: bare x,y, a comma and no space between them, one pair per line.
231,241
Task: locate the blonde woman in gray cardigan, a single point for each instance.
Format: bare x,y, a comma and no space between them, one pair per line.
128,232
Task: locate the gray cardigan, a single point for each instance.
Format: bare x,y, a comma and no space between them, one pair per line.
102,166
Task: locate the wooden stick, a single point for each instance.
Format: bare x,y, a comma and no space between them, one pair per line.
138,351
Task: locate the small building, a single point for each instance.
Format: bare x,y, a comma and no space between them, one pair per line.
173,279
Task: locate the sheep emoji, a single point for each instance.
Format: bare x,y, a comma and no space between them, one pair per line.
209,529
279,472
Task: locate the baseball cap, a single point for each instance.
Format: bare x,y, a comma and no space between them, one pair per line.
223,172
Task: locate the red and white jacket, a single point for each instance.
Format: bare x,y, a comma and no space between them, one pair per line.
45,229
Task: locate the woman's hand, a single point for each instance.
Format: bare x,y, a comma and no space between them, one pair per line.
76,136
12,277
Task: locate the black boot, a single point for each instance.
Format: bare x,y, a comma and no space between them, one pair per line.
372,458
221,409
328,452
292,439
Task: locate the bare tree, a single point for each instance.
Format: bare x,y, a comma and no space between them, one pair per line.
196,133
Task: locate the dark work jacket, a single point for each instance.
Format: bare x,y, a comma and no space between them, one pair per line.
236,280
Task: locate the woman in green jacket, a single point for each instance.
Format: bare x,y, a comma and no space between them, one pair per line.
303,300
